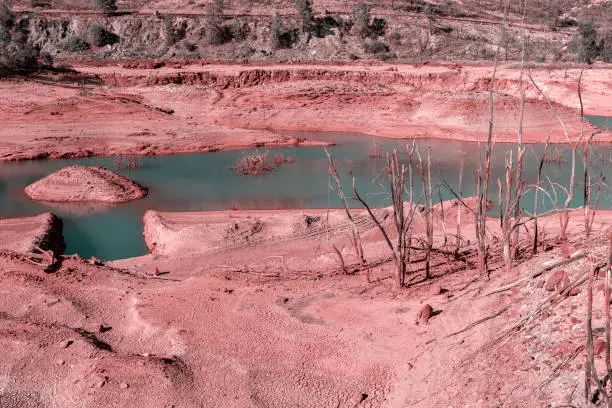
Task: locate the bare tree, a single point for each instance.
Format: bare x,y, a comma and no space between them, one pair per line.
564,214
427,208
460,201
536,196
485,169
519,144
402,222
591,375
333,172
508,207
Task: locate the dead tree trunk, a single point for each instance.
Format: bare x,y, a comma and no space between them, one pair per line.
519,144
564,214
427,209
460,201
536,196
402,222
356,237
484,171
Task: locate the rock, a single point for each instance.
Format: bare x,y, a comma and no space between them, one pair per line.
557,281
95,261
599,346
435,289
563,348
358,398
425,314
575,291
85,184
103,329
540,284
66,343
123,386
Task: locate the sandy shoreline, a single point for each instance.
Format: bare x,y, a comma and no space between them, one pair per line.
203,108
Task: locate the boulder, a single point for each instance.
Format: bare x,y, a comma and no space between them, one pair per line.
558,281
425,314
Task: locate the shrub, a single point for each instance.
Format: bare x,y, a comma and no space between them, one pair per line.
239,30
101,37
276,32
259,163
361,19
17,54
606,47
107,6
375,47
40,3
215,33
587,43
395,38
75,44
378,27
189,46
169,31
540,58
305,14
431,15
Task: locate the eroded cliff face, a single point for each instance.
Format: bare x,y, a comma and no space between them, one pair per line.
28,234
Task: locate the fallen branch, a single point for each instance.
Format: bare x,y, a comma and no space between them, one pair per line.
477,322
547,267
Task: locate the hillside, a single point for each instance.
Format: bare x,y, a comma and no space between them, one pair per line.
397,30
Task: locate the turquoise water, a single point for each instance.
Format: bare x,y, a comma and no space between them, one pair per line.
197,182
602,122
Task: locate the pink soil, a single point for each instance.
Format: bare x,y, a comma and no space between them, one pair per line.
273,322
200,107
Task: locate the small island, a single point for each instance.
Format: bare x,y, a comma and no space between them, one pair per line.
85,184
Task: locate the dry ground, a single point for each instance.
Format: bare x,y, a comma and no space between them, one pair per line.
267,319
200,108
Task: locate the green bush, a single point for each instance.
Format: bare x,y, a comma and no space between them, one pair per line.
361,19
107,6
276,32
215,33
169,31
305,14
587,42
17,54
378,27
75,44
101,37
375,47
239,30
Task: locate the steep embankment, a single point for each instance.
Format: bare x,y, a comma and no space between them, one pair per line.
30,233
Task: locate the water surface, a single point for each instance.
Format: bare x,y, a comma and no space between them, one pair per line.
198,182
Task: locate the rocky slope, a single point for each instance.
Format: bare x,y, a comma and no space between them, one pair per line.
169,29
82,184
